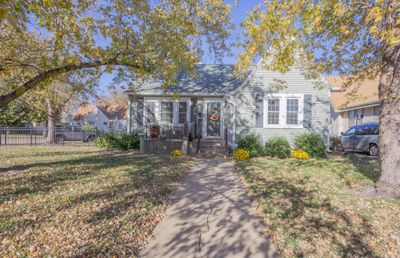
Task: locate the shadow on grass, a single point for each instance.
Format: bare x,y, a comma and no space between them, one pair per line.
132,200
363,164
305,219
55,173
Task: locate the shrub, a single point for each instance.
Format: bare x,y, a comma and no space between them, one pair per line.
88,127
129,141
241,154
335,144
251,143
118,141
311,143
176,153
300,154
278,147
107,141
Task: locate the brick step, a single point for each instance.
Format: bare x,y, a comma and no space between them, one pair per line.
211,145
211,152
208,147
211,156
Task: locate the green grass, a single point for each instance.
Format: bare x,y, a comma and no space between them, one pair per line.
310,208
81,201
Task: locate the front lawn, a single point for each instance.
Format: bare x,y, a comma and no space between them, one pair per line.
310,209
81,201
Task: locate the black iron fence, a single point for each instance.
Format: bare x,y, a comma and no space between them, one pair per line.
39,136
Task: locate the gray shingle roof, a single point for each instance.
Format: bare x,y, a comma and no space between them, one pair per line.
210,80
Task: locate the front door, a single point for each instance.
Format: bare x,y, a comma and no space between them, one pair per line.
213,119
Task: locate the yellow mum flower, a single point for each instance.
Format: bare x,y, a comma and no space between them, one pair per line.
300,154
241,154
176,153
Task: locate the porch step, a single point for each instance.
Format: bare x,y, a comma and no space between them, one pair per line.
211,148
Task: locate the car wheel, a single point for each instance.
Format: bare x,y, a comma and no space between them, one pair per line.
59,139
373,150
90,138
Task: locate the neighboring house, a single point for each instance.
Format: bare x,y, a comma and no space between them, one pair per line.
105,118
223,107
353,104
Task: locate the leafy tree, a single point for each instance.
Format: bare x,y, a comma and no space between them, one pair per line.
140,38
358,38
19,112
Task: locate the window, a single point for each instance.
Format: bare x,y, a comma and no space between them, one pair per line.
377,111
292,111
167,111
273,111
284,111
362,130
183,111
104,123
151,112
369,129
351,131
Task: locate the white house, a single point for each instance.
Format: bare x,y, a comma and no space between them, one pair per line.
353,104
105,118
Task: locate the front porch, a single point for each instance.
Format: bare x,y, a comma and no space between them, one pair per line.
168,123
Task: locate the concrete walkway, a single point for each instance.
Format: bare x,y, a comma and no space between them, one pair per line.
210,216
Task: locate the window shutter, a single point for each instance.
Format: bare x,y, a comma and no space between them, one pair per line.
140,111
259,111
307,117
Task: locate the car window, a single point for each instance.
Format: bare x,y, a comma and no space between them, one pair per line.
351,131
363,130
375,130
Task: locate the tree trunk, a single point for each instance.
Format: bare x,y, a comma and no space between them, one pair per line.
389,97
51,130
389,135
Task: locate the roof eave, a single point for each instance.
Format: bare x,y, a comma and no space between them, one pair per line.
363,105
179,94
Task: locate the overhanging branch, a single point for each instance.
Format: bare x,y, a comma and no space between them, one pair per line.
5,99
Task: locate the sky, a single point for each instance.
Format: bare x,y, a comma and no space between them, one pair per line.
239,10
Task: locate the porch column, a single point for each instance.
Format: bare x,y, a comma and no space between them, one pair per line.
129,115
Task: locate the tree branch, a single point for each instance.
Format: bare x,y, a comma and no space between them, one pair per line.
5,99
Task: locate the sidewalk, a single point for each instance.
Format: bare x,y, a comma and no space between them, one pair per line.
210,216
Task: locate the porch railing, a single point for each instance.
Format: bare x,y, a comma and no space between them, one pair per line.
155,131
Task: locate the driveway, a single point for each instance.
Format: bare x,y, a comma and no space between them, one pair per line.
210,216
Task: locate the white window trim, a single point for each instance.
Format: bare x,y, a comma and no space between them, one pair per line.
282,110
175,115
157,110
173,110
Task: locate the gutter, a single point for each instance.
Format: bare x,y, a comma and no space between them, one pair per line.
365,105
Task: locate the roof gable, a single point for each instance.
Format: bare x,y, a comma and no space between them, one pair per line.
210,80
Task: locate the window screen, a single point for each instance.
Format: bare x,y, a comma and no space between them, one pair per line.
273,111
182,112
167,111
151,112
292,111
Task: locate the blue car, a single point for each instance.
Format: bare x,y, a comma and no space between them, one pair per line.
362,138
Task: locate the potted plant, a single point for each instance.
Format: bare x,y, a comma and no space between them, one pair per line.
154,131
